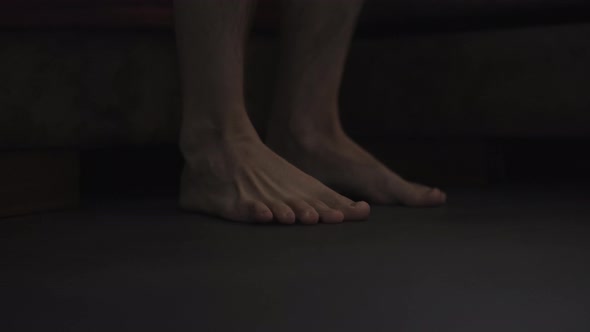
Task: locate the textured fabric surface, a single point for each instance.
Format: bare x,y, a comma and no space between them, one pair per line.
376,13
398,4
94,88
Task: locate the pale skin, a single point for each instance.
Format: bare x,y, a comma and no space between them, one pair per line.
297,174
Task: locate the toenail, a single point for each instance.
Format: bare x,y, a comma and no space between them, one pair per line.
356,204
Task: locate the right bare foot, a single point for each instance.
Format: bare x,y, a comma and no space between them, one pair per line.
243,180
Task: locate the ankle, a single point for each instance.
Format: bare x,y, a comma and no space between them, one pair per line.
304,120
198,142
215,125
306,132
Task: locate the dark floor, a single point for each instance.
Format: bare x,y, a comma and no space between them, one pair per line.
503,258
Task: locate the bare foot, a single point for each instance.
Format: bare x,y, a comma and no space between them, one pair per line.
243,180
337,161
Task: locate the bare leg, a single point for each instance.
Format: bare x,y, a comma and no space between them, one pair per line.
305,128
229,172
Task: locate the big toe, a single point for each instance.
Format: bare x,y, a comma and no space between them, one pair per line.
356,211
351,210
425,197
257,212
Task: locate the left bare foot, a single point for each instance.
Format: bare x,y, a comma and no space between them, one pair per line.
336,160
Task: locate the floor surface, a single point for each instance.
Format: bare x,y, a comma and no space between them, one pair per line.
494,259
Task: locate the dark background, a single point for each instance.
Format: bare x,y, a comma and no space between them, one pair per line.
485,99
